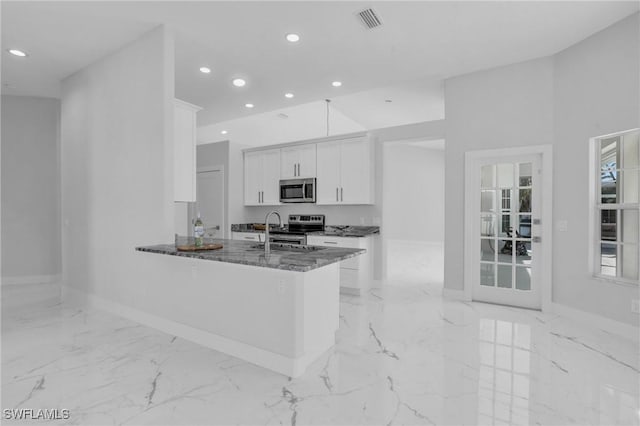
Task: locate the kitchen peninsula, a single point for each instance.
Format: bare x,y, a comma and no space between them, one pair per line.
279,311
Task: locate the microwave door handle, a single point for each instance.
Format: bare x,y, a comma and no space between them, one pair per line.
304,191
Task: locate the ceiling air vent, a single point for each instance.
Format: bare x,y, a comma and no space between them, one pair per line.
369,18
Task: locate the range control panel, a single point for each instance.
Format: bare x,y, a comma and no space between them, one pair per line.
306,219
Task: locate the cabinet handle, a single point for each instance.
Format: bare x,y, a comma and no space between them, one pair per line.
298,169
248,238
337,199
294,170
341,198
262,192
258,197
331,242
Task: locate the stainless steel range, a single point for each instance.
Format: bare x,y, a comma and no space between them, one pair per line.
298,227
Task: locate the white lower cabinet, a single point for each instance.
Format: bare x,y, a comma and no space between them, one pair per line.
248,236
356,273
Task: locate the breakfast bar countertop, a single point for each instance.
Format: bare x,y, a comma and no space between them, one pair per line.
283,257
329,230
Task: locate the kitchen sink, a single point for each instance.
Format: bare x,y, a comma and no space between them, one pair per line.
290,247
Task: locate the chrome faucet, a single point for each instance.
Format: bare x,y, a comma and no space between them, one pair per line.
267,245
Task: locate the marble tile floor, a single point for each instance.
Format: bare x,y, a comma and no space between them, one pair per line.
404,356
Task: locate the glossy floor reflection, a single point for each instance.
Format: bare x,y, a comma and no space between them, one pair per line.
403,356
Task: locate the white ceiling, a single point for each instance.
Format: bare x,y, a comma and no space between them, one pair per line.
420,43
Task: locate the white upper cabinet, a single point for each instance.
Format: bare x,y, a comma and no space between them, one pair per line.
328,173
253,171
298,161
261,177
343,168
271,177
345,171
184,151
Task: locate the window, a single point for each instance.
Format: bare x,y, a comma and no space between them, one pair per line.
617,214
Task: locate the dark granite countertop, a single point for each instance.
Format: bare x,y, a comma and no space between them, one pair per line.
299,259
347,231
329,230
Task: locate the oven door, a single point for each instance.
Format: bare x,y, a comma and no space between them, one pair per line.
298,191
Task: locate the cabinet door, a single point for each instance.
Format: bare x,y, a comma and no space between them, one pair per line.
184,158
307,161
355,171
253,172
346,242
289,162
328,173
271,177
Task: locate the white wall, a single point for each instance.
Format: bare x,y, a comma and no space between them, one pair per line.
597,91
305,121
587,90
117,171
30,189
413,193
503,107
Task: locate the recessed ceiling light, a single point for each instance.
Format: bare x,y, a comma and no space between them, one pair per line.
388,101
292,37
224,132
238,82
205,70
249,105
336,84
288,95
17,52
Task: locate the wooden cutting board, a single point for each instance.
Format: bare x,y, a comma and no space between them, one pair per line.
192,247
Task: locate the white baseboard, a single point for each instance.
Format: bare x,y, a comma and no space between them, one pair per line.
21,292
621,329
31,279
292,367
449,293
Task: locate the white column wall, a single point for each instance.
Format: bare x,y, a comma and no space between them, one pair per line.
117,167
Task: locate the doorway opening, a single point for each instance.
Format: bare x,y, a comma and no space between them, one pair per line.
210,189
413,212
507,226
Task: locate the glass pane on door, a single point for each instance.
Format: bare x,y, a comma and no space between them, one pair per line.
523,278
504,276
506,213
487,274
487,250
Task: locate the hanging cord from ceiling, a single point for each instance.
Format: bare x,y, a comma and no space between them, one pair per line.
327,101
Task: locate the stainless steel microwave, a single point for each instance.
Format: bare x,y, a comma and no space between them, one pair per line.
298,190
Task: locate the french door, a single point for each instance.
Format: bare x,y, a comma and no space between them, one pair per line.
506,203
